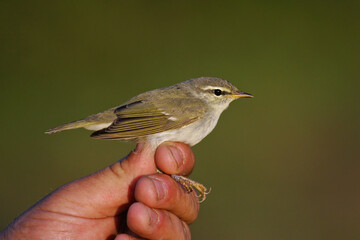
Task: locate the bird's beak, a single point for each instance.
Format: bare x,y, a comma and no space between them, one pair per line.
240,94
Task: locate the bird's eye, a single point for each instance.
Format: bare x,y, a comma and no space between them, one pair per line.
217,92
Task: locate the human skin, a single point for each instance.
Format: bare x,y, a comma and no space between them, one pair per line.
127,200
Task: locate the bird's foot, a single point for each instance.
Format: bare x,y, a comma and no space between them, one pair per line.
191,185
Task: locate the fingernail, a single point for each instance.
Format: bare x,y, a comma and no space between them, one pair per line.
153,216
177,155
159,187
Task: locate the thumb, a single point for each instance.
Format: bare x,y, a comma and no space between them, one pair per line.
106,192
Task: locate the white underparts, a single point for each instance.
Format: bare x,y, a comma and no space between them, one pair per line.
190,134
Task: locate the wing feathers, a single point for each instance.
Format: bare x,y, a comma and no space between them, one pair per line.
141,118
136,123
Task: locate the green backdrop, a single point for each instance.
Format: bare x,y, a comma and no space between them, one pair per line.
283,165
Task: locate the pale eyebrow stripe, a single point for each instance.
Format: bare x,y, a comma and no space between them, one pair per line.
215,87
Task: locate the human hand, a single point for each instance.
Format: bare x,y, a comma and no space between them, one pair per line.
127,200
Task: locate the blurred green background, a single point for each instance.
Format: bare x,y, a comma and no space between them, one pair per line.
283,165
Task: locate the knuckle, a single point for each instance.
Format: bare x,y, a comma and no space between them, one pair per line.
117,169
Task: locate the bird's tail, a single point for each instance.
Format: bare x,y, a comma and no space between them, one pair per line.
68,126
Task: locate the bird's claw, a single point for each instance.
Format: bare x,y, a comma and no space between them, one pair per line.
190,185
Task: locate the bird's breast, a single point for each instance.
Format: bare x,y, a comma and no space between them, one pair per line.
190,134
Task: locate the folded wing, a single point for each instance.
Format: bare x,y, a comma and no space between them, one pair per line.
141,118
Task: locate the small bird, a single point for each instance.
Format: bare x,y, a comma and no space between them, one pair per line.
185,112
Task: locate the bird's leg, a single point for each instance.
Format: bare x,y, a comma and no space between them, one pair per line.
191,185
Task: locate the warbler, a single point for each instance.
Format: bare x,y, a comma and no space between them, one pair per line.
185,112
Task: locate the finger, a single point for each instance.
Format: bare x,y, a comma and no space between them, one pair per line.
175,158
160,191
156,224
106,192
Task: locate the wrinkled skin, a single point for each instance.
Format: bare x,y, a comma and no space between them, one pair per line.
127,200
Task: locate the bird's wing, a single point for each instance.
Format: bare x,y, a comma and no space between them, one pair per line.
141,118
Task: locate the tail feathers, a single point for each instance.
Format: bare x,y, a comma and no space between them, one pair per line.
68,126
